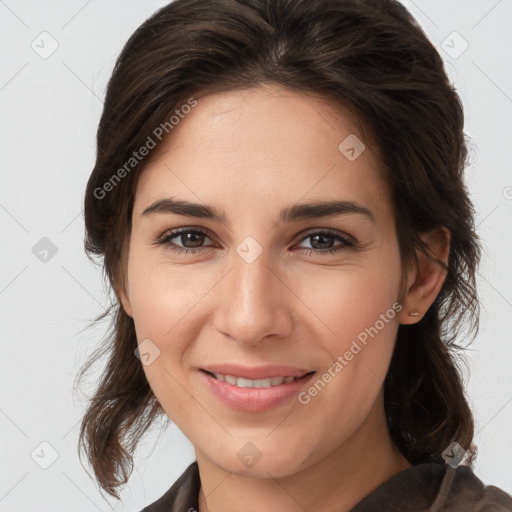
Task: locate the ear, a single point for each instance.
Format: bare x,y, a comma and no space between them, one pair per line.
425,282
123,296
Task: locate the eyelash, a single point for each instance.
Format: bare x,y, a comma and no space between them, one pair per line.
165,240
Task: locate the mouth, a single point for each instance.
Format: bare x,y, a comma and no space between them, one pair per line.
254,395
268,382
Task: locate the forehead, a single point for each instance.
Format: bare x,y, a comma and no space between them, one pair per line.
262,146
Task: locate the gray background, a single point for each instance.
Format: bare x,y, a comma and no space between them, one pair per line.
50,108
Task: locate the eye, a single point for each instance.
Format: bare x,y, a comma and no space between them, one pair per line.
190,238
322,242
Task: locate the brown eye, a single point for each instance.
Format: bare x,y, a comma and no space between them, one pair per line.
322,242
188,240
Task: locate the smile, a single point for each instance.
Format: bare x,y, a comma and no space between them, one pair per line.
249,395
241,382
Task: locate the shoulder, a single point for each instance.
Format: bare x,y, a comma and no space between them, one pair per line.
435,488
183,494
462,490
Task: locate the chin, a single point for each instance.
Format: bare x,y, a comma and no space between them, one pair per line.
273,465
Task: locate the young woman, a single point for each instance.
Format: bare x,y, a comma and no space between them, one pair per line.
278,198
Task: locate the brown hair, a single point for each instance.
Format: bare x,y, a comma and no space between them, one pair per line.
369,56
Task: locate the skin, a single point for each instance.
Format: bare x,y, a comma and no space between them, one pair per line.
250,154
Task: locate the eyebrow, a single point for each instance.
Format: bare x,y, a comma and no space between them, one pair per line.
311,210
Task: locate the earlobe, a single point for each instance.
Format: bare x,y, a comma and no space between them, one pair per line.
429,277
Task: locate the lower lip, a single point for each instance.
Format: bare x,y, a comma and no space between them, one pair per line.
254,399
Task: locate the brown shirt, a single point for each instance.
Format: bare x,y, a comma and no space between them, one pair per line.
423,488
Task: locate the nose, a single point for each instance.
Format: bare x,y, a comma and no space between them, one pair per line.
255,302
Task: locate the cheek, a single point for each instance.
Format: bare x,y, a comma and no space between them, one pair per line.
349,300
162,300
160,294
359,312
168,303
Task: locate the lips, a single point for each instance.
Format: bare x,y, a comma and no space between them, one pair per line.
255,398
256,372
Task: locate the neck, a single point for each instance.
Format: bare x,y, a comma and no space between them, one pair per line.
336,483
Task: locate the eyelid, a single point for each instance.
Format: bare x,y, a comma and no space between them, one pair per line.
328,231
345,241
301,236
184,229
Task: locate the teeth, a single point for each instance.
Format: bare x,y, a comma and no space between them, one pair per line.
248,383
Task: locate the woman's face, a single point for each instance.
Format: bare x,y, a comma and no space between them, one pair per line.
270,282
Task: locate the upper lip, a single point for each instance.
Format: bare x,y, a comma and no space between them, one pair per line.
255,372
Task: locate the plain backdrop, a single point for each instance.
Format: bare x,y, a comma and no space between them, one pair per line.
49,290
